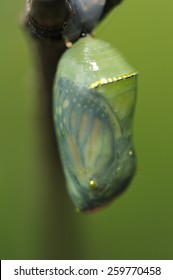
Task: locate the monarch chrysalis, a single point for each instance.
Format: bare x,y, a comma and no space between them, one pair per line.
94,99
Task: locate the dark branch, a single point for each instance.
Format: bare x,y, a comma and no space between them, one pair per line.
43,21
110,4
45,18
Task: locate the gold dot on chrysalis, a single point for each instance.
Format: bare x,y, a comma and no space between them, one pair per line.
62,132
92,184
130,153
68,44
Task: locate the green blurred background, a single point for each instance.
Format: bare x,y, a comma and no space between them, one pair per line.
139,225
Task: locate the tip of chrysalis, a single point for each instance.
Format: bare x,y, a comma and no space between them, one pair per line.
95,210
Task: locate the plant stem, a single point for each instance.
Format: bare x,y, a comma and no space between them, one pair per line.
58,233
58,238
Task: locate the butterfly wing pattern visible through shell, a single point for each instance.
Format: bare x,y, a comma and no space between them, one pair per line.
93,148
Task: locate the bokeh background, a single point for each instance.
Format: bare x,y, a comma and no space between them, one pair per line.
139,224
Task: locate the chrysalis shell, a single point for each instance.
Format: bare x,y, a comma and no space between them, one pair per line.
94,100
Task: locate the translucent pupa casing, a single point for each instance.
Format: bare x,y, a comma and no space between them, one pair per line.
84,15
94,101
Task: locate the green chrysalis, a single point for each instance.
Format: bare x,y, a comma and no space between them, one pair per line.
94,100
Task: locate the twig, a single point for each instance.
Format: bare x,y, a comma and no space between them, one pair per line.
43,20
110,4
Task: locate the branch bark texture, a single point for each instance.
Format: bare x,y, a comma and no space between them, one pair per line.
44,21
